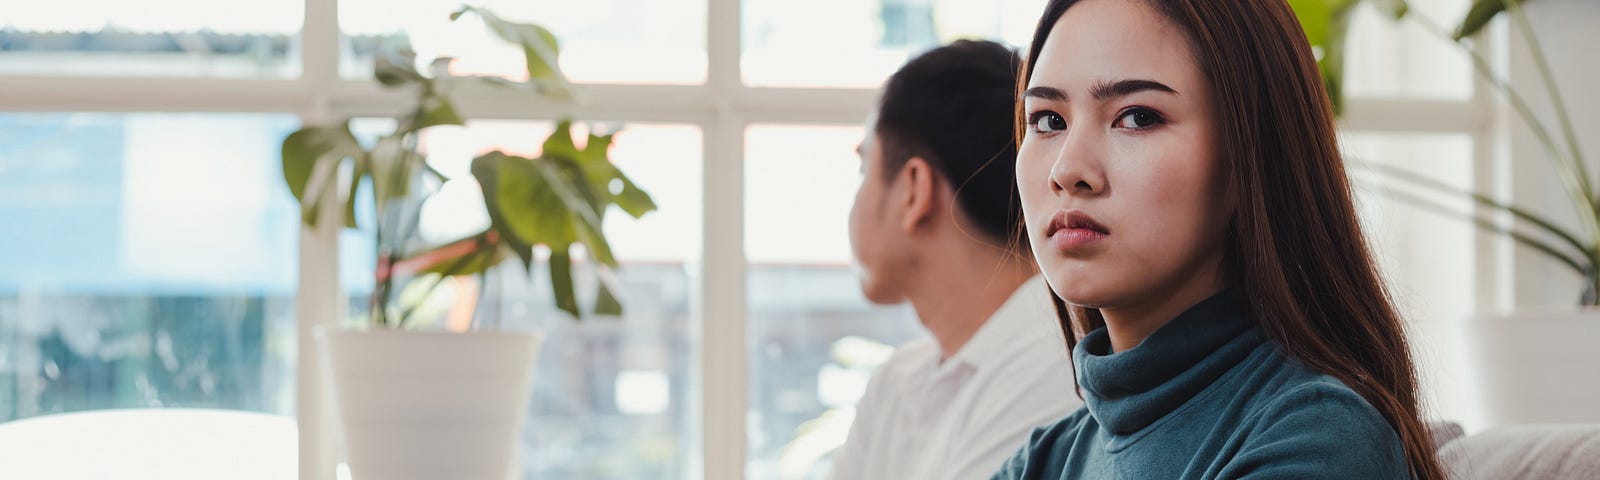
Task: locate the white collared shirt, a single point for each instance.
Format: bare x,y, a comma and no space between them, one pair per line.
961,418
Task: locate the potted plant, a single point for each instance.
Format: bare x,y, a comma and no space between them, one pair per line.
429,404
1521,364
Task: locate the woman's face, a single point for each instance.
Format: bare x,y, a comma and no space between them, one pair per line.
1118,170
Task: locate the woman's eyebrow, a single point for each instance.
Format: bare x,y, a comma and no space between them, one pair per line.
1047,93
1108,90
1101,91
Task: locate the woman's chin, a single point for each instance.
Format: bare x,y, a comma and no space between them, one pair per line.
1087,298
1080,288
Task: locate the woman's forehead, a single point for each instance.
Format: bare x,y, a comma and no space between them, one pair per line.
1100,41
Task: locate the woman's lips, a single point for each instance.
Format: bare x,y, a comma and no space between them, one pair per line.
1075,230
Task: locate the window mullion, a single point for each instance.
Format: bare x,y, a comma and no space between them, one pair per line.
319,299
721,294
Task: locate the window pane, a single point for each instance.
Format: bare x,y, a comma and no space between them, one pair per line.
850,43
814,340
612,397
1388,58
149,262
1428,258
154,38
603,41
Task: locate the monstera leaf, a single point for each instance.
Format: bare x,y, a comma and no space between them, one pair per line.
540,49
1326,22
558,200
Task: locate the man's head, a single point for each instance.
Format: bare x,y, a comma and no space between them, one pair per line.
937,160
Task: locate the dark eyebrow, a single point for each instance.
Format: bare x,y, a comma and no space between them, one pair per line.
1123,88
1101,91
1048,93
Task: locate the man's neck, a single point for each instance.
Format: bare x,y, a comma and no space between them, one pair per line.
956,296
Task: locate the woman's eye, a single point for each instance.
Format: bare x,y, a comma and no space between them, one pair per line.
1138,119
1046,122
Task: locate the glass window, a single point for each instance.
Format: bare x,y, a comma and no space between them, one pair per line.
149,262
1425,255
602,41
156,38
1424,65
852,43
612,397
814,340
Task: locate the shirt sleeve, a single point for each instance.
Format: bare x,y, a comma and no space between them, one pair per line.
1319,431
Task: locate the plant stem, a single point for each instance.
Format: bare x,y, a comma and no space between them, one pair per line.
1486,224
1591,290
1549,78
1577,184
1547,226
483,286
450,271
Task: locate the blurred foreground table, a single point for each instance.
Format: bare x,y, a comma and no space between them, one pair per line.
140,444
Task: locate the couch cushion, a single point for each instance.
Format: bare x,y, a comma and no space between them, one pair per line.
1526,452
1444,432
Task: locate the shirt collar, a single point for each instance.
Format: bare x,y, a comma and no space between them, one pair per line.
1026,313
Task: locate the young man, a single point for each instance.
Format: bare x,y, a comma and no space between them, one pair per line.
935,224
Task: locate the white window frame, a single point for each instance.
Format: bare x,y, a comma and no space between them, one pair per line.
722,107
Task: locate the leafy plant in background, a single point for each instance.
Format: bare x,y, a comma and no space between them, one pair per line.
556,199
1326,22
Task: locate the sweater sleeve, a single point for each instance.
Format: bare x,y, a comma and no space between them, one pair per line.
1318,431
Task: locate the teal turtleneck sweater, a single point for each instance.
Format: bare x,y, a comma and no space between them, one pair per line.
1208,397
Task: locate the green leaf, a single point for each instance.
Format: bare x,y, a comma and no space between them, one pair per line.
598,171
605,302
311,157
561,282
391,165
1325,23
540,48
356,174
595,242
396,69
1397,9
486,170
1479,16
436,110
302,149
536,202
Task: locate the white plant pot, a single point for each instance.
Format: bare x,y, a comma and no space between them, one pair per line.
1536,366
431,405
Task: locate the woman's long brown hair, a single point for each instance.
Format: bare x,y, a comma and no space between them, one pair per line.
1295,249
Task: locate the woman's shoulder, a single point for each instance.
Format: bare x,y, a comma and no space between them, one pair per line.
1286,385
1043,456
1307,422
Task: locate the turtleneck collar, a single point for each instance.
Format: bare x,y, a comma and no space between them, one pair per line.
1127,391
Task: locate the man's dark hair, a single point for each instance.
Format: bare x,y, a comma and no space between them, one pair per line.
954,106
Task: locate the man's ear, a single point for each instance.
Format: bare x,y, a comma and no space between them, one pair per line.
919,200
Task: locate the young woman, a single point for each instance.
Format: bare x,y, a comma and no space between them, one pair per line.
1184,196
